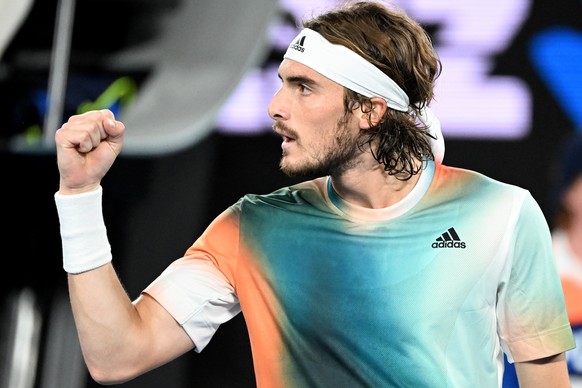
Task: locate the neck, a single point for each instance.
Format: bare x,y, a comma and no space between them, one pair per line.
371,187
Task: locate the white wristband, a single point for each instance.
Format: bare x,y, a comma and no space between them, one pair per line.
83,232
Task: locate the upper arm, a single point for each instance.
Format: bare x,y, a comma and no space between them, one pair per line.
151,338
545,372
167,338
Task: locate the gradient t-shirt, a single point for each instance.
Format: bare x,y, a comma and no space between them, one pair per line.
426,293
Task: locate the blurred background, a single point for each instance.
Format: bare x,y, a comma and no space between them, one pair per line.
191,80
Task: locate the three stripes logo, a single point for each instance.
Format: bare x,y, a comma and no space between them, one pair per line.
449,239
298,45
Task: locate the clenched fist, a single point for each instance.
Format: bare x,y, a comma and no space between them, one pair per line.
87,145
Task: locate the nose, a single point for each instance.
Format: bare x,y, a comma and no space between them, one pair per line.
275,108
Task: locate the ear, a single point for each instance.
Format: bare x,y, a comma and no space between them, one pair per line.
375,114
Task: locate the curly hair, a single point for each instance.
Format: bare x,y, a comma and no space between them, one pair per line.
402,49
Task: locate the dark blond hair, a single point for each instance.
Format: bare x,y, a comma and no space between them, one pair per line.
401,48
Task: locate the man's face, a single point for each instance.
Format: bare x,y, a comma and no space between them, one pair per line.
308,109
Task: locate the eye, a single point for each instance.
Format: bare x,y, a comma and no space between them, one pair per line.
303,89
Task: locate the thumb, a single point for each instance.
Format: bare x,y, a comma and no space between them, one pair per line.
113,133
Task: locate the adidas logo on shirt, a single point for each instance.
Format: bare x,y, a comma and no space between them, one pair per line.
449,239
298,45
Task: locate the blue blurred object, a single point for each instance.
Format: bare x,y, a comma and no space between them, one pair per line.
574,356
509,377
557,54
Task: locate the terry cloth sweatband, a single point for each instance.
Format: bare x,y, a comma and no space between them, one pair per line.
342,65
83,233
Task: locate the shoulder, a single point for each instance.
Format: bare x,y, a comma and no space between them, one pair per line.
474,192
470,182
307,194
295,194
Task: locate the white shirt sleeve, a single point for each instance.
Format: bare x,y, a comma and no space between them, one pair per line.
197,295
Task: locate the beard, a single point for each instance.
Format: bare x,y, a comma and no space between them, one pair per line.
333,159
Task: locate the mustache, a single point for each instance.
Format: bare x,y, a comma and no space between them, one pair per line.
283,129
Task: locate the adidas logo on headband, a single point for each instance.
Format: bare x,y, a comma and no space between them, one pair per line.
298,45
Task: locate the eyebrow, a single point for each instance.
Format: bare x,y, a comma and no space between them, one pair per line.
298,79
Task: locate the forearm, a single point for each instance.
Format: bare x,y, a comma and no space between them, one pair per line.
107,323
547,372
114,332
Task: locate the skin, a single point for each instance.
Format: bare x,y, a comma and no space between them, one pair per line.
329,149
573,204
306,110
571,225
119,339
122,339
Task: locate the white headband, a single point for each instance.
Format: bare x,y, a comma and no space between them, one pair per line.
342,65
